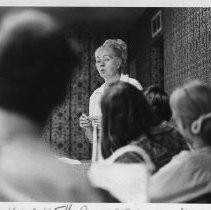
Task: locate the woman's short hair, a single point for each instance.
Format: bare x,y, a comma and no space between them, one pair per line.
36,62
159,101
119,47
125,116
192,104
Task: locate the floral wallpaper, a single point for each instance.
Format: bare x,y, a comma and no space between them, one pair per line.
157,66
187,44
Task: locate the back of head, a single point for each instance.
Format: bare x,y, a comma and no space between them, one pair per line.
159,101
192,104
35,64
126,115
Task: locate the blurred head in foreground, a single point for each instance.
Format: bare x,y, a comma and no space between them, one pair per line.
36,62
191,106
126,115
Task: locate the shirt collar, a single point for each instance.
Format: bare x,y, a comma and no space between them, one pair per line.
123,78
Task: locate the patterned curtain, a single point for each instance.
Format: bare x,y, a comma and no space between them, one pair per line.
63,133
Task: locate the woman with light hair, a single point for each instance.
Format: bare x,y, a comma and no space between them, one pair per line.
110,58
187,178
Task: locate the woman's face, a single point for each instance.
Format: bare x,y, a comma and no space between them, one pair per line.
107,63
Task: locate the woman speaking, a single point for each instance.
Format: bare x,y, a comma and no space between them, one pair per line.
110,59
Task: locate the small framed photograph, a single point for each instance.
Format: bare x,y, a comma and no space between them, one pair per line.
156,24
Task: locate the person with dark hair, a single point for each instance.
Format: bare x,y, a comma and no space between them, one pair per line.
159,101
36,64
187,178
127,118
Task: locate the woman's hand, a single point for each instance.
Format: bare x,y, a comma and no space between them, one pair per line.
85,122
97,120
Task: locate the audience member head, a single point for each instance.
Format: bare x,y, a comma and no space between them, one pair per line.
114,48
159,101
125,116
191,106
36,62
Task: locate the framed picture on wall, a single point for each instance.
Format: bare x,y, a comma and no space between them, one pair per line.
156,24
